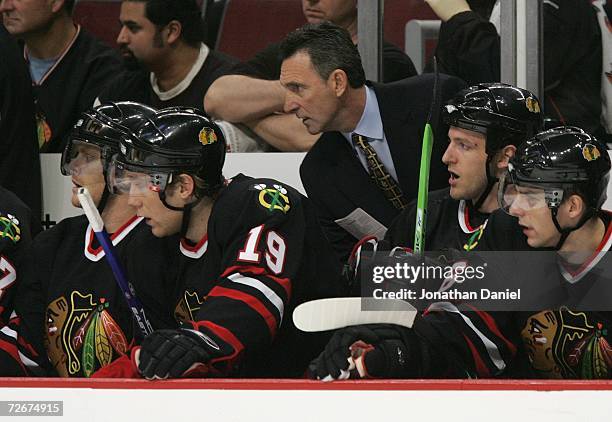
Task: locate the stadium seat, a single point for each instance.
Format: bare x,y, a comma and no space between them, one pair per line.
398,13
248,26
100,18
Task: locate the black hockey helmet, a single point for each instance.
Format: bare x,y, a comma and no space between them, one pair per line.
103,126
176,140
505,114
564,160
560,162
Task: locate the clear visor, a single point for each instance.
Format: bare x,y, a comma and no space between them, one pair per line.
81,158
512,196
124,180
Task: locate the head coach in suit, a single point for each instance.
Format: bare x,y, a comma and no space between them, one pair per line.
368,156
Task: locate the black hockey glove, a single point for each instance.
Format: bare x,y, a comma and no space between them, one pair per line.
171,353
369,351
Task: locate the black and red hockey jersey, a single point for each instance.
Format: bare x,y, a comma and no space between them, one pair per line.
567,340
264,254
16,229
69,306
451,224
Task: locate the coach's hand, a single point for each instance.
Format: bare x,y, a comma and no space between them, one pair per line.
171,353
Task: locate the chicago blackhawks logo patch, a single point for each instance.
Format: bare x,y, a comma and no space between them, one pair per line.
532,105
188,306
207,136
273,197
9,227
82,336
590,152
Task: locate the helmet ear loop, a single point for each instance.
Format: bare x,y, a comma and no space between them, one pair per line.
567,231
491,180
105,157
186,210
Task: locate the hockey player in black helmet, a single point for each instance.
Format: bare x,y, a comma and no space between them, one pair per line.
73,317
250,250
92,143
556,186
487,122
559,174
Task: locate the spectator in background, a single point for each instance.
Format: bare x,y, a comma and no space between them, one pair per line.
68,67
161,42
469,47
253,96
19,161
364,168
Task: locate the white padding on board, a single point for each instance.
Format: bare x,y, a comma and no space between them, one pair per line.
57,189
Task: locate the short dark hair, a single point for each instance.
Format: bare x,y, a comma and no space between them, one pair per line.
187,12
330,47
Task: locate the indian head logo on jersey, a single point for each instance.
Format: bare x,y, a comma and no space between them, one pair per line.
9,227
81,335
207,136
590,152
273,197
566,344
188,306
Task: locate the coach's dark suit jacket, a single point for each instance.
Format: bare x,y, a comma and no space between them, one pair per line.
336,181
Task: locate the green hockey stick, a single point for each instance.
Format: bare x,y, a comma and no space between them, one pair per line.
423,194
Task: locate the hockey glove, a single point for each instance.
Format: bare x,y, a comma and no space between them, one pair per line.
173,353
368,351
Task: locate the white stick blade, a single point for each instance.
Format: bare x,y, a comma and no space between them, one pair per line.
334,313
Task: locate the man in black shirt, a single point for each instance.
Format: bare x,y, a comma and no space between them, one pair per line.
19,164
68,67
161,41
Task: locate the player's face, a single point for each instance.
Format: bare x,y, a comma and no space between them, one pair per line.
311,98
162,220
22,17
340,12
535,218
139,39
466,159
85,169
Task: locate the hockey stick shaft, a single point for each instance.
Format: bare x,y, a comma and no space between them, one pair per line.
423,193
109,252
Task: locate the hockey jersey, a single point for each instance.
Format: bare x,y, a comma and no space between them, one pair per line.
451,224
69,306
264,254
567,340
17,227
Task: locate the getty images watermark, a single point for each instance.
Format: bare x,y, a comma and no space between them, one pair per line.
447,280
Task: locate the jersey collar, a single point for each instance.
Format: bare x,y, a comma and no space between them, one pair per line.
59,58
98,253
463,215
196,251
575,275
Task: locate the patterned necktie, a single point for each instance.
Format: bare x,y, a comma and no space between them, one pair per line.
379,173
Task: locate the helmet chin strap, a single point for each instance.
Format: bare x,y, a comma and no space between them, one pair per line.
103,200
186,212
491,180
565,232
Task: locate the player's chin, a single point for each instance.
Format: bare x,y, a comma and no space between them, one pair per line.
74,200
457,193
